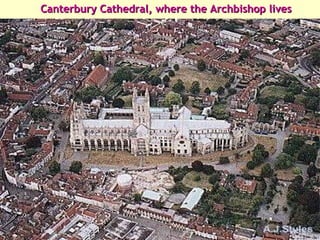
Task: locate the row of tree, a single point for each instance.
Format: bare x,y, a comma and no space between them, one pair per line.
55,167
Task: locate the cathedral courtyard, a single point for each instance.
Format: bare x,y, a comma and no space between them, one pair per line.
124,158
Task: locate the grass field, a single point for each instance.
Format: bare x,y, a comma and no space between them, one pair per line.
127,101
206,79
273,91
286,174
189,180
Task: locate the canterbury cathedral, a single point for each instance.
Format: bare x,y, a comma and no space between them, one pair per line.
144,130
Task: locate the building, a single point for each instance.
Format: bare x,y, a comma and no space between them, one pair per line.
310,23
290,112
273,236
232,36
248,186
97,77
192,199
143,130
305,130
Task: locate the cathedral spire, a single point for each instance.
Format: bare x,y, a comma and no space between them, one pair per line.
147,96
135,93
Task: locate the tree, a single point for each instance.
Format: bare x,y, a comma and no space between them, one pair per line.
207,91
259,154
315,57
251,165
5,38
118,103
39,113
172,98
310,200
195,87
214,70
224,160
3,95
171,73
98,59
312,103
54,168
33,142
227,85
307,154
155,80
166,80
214,178
293,145
266,170
176,67
244,53
197,166
123,24
232,91
289,98
220,90
122,74
232,78
76,167
208,169
312,170
87,94
64,126
178,87
284,161
201,65
184,99
211,21
137,197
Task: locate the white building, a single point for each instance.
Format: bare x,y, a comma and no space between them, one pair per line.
143,130
232,36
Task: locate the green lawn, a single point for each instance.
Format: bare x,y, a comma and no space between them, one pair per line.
190,180
219,111
274,91
127,101
205,78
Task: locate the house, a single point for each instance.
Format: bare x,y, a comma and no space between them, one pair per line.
192,199
273,236
248,186
290,112
97,77
231,36
307,130
244,234
208,101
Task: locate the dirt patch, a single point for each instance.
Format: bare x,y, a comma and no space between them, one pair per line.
268,142
125,158
286,175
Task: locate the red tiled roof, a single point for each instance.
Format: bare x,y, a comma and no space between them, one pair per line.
305,129
20,96
97,77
